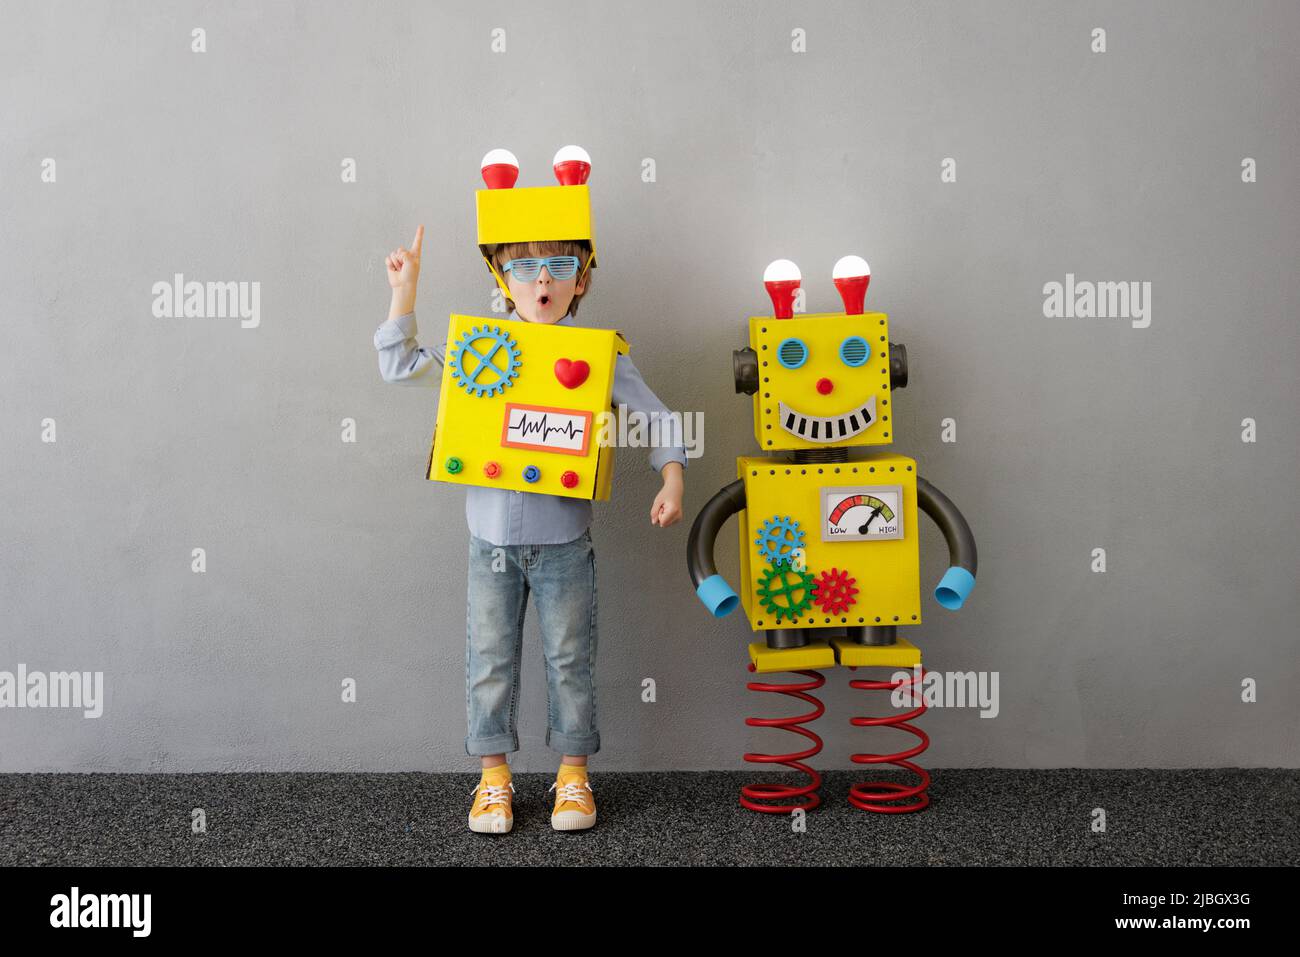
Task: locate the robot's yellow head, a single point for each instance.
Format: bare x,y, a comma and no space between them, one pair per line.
820,380
536,213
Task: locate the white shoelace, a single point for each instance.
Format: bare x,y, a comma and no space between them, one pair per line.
494,793
572,791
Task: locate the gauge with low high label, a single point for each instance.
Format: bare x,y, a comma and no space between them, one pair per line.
861,513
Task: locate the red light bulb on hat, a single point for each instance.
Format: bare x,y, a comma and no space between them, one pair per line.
572,165
500,169
852,275
782,279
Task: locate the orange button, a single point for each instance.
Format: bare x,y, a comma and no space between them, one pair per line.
492,470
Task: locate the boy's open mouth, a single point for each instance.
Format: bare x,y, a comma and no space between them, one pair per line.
543,300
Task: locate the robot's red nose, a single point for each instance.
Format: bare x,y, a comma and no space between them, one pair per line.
825,386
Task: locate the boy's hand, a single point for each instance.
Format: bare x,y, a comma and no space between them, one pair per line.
403,274
404,264
667,507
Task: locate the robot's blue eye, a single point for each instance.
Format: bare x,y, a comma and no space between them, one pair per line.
854,351
792,353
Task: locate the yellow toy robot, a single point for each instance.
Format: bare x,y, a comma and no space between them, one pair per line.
829,545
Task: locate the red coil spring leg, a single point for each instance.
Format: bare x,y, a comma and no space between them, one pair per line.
876,795
804,797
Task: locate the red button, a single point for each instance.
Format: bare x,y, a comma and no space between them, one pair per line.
492,470
569,479
824,386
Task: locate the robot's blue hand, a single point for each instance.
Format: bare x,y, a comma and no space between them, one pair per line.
717,596
953,587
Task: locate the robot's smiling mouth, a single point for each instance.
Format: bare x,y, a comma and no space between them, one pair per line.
832,429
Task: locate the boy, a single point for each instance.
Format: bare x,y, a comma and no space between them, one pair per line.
546,545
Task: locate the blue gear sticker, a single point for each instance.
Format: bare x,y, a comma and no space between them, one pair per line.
481,369
778,539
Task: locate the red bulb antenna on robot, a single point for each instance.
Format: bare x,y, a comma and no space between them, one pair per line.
782,279
500,167
572,165
852,275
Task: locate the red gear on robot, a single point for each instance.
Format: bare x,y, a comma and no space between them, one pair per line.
834,591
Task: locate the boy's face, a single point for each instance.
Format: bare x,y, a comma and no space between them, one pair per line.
545,299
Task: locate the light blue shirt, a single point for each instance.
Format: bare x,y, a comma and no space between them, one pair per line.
501,516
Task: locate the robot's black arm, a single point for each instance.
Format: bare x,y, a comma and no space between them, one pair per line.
958,581
711,587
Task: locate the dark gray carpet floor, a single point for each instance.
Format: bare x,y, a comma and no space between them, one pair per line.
995,817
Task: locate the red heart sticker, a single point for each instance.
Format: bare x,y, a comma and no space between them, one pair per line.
571,372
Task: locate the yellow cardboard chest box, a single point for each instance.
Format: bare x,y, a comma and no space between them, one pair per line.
526,406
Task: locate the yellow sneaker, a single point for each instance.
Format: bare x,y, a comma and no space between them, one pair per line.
575,805
491,813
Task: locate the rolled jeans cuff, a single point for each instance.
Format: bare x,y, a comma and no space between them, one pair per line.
573,743
493,744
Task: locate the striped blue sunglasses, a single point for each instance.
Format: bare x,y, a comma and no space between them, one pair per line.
526,270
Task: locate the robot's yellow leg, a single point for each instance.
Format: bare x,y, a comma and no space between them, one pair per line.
901,654
812,656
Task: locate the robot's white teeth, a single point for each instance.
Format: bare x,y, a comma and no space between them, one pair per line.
817,429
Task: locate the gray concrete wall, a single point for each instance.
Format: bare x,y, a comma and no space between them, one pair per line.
329,560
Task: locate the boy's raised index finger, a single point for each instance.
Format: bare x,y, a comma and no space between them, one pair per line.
419,238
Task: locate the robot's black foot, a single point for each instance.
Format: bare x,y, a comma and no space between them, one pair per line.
787,637
873,635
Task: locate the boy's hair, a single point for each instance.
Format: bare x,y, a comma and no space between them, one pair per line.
504,252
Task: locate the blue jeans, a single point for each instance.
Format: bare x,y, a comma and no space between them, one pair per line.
562,580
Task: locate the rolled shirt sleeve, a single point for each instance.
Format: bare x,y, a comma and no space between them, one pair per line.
631,391
401,358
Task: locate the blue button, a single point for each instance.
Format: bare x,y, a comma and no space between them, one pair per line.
532,473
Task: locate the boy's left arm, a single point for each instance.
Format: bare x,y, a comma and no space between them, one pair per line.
668,457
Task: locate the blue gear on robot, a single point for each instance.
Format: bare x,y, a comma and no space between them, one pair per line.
504,376
777,534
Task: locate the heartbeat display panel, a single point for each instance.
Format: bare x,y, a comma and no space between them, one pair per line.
546,429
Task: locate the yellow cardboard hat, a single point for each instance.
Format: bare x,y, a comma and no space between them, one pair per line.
534,213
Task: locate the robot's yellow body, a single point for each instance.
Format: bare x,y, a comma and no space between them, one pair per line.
849,529
829,544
